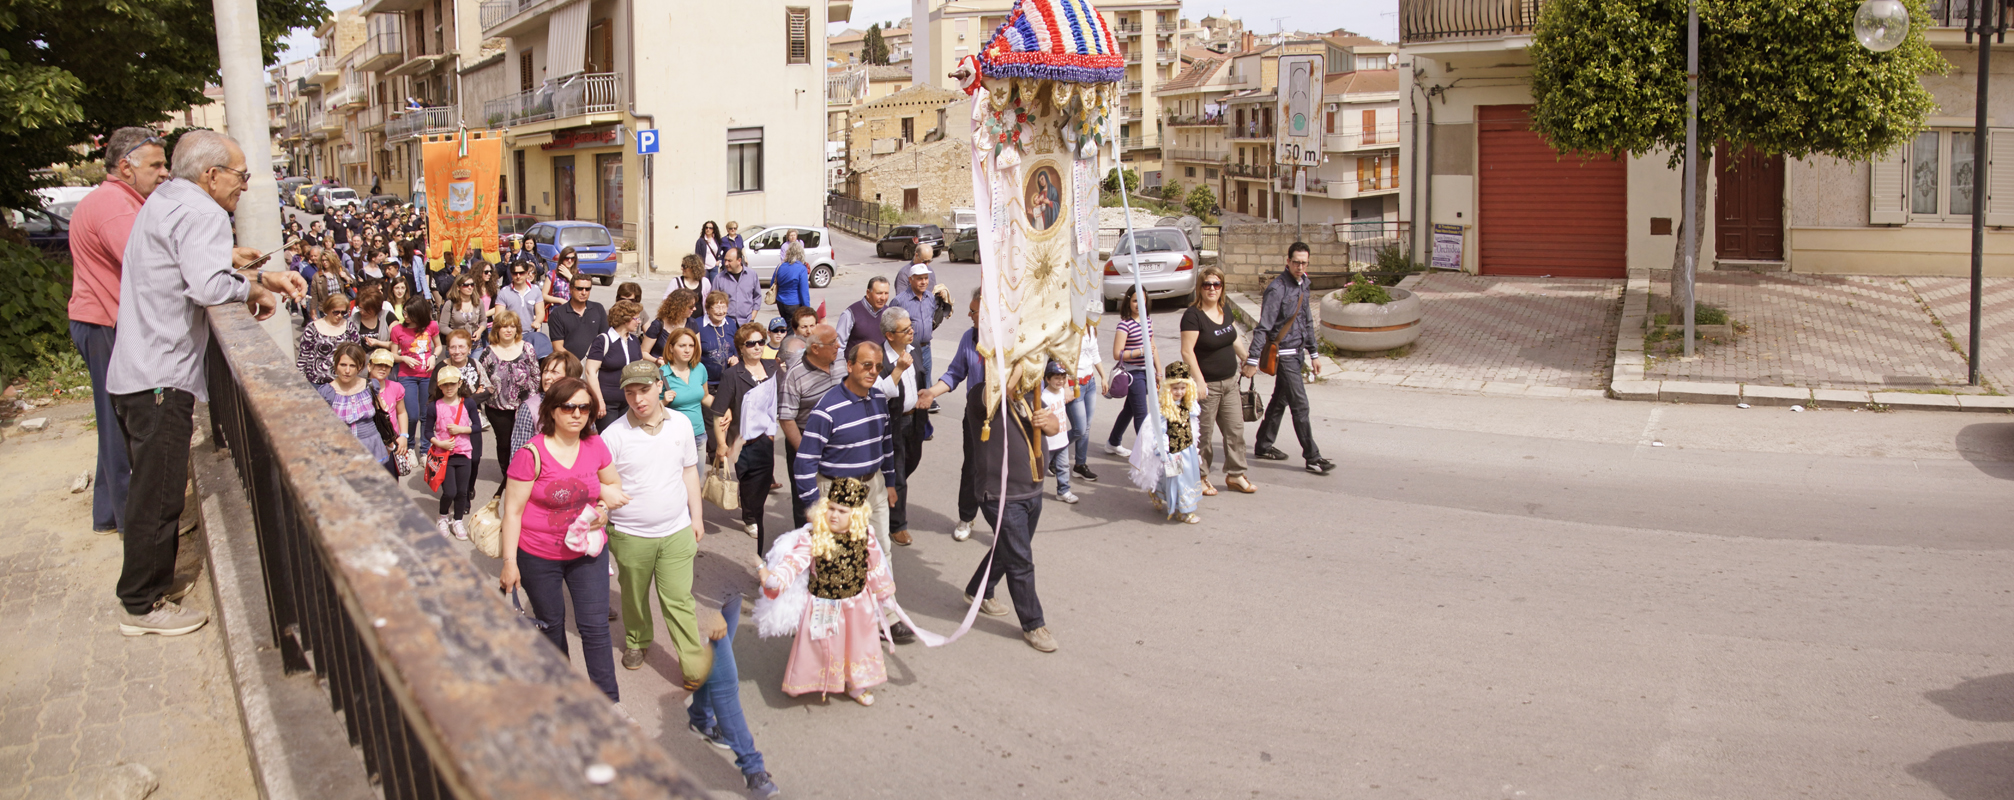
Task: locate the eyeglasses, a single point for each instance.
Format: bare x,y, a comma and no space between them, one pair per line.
244,175
574,407
752,343
1213,284
900,332
143,143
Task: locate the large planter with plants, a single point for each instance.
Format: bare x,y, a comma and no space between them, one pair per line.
1364,317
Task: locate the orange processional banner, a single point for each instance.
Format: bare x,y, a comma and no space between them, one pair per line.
461,182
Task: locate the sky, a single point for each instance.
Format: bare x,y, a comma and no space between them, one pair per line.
1377,19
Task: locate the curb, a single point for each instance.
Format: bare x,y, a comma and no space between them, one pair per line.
1628,381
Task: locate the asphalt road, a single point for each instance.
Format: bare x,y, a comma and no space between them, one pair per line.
1489,598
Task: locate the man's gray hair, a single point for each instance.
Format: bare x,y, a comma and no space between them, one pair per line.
198,151
924,253
121,143
892,316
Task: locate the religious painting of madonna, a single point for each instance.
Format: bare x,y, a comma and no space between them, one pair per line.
1043,197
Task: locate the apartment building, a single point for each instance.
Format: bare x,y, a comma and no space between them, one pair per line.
1478,164
741,118
1192,124
844,47
1147,32
326,116
1252,188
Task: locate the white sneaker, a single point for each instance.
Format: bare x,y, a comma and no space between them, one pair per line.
1068,497
1111,449
461,530
751,530
442,526
962,532
1124,452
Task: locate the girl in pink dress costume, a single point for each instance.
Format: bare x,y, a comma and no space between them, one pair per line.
826,582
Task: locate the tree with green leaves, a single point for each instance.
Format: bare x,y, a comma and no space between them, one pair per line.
1201,201
72,70
1172,193
873,50
1112,179
1779,76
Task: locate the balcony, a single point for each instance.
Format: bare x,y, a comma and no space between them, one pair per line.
1316,186
1251,131
275,122
325,71
593,93
1130,114
1950,13
513,18
382,51
1383,137
1126,28
1444,20
372,119
322,125
1164,28
342,99
1132,56
419,122
1218,156
1251,171
1132,143
1202,120
1130,87
1165,57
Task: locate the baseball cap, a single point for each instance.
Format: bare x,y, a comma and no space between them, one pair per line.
448,374
639,373
919,269
1054,369
777,324
383,357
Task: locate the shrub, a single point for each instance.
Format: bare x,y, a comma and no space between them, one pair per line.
1362,289
1201,201
1172,193
34,309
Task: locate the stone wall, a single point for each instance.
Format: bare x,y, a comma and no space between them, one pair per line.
1252,253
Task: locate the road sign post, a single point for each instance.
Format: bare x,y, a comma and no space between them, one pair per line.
1297,137
646,146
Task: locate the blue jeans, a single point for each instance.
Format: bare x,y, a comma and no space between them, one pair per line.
418,406
1059,466
108,489
548,584
1135,410
718,701
1079,411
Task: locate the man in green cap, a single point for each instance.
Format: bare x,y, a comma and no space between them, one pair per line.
656,535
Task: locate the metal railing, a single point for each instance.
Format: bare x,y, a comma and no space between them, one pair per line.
382,45
492,12
1164,27
1196,119
1132,143
1133,56
1130,86
1127,28
414,122
1165,57
1380,136
1365,239
1250,170
590,93
1954,13
854,215
1209,156
1131,113
1434,20
442,689
1251,130
1316,186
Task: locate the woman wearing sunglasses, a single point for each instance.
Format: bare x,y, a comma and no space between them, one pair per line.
1210,345
564,266
744,409
562,472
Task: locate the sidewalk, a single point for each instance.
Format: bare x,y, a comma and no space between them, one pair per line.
1538,336
78,700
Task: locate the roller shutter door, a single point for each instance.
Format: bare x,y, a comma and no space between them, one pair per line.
1541,214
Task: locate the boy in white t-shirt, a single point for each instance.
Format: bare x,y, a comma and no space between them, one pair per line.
1055,393
655,536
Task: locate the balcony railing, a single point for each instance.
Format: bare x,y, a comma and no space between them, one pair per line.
416,122
1164,27
441,687
1262,171
493,12
1132,56
1130,86
1127,29
1196,119
1381,136
344,97
1436,20
1315,185
1251,130
1130,113
1206,156
1132,143
384,49
592,93
1165,57
1955,13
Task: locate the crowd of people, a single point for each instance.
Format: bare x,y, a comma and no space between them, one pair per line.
611,423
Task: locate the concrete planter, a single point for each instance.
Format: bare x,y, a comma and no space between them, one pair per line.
1370,327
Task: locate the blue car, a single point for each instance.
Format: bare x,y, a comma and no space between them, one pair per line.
589,240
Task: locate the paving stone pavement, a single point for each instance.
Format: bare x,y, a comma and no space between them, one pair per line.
1557,332
77,698
1951,299
1836,332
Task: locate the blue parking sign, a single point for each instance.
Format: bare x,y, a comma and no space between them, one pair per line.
646,142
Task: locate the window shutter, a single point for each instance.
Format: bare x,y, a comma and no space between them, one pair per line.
1887,188
2000,177
797,22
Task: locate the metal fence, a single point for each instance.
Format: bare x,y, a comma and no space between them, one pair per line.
1367,238
1433,20
442,689
859,217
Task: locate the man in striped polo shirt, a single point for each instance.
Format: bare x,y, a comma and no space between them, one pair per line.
847,435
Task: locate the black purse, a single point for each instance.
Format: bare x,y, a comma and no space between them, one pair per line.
941,313
1248,398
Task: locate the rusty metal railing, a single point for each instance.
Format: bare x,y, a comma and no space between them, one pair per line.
1434,20
443,690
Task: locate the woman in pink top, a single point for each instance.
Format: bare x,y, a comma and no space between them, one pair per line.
413,341
562,471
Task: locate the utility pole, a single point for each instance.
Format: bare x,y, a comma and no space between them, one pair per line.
1691,171
239,54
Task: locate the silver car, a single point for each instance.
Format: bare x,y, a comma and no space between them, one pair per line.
765,251
1167,264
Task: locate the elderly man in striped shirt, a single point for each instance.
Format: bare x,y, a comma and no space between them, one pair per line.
848,435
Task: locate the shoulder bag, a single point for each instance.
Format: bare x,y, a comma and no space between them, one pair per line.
1269,360
1248,398
486,524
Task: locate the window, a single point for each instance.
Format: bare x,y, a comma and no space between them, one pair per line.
1940,175
1210,173
910,200
909,129
744,160
797,35
584,236
1188,172
1329,126
1371,127
524,73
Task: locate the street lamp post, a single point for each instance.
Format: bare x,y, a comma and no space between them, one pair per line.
1691,243
1986,26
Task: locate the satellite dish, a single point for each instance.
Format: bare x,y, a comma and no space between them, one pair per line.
1881,25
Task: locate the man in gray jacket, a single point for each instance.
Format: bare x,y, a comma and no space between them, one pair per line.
1285,317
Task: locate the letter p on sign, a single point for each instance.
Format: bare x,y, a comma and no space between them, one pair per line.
646,142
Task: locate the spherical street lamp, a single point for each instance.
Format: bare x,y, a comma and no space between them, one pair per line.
1881,25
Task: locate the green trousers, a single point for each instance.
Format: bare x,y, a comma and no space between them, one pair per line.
668,561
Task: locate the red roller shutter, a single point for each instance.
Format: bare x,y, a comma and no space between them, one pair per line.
1543,214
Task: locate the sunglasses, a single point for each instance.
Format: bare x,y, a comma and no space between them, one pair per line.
143,143
1213,284
574,407
752,343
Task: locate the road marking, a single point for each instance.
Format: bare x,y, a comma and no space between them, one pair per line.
1649,437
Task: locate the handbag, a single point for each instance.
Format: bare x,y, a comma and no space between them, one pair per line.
1269,360
486,529
437,459
1121,383
381,419
721,491
769,297
1248,398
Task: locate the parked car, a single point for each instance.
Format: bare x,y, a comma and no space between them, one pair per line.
302,192
590,241
1167,264
765,251
378,201
965,247
287,188
340,197
901,240
52,195
509,225
311,202
47,231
